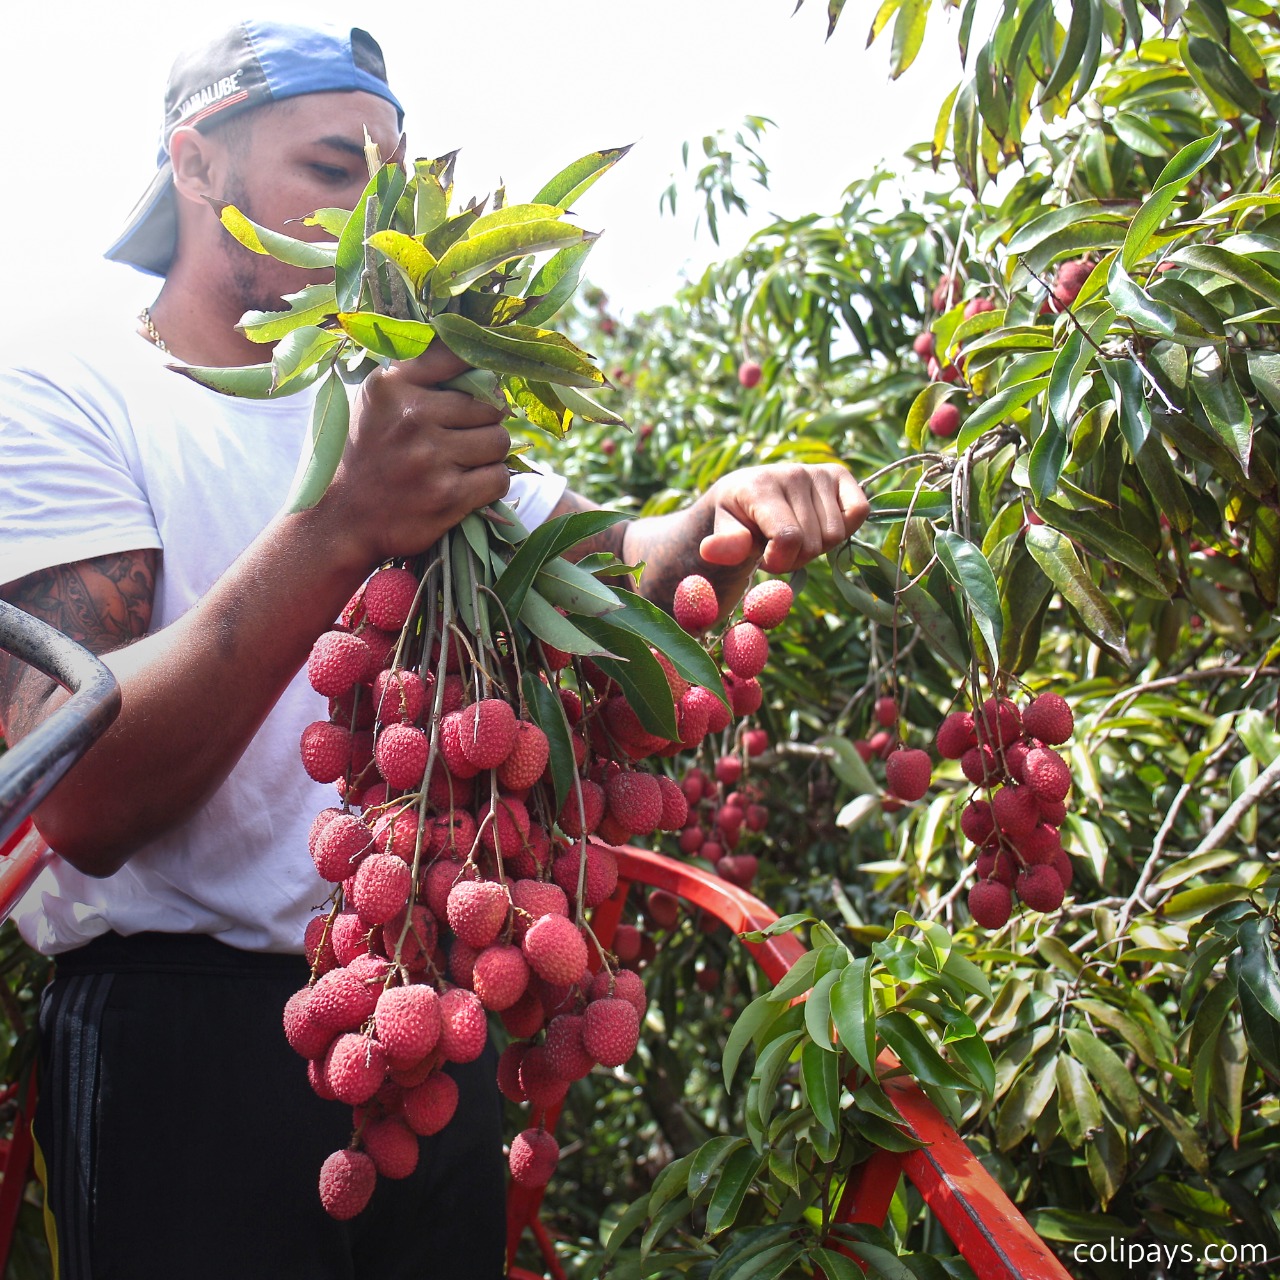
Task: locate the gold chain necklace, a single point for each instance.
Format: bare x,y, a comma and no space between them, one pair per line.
152,332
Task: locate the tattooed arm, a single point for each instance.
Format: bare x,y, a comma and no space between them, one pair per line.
780,516
102,604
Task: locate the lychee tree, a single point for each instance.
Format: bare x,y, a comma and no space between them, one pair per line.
1101,531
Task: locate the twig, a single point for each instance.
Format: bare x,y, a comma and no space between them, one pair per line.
1226,825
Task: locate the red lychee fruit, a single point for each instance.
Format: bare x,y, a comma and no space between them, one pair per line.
611,1031
977,821
575,821
381,888
728,770
738,868
924,345
601,876
999,723
990,904
1015,810
388,597
406,1021
399,695
428,1107
477,910
336,662
1041,888
500,976
980,765
956,735
635,801
556,950
1048,717
675,808
663,908
746,649
1047,774
907,773
1070,280
749,373
695,606
392,1146
488,732
326,751
944,421
339,1001
745,698
341,847
767,603
527,758
401,755
347,1179
355,1066
463,1028
533,1158
976,306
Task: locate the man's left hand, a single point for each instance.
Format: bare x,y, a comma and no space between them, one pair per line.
787,513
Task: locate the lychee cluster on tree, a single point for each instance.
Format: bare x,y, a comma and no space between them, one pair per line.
1015,823
908,771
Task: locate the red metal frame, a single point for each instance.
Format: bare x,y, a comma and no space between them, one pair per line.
983,1223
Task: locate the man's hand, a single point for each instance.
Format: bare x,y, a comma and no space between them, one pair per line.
790,513
419,458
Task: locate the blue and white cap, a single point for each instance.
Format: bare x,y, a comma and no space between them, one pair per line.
251,64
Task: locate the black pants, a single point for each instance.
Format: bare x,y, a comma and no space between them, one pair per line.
181,1138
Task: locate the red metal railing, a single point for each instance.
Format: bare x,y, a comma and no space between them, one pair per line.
983,1223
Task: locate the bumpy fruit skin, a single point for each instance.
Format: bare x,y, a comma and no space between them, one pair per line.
527,758
487,732
533,1159
767,603
746,650
611,1031
1041,888
326,751
956,735
428,1107
695,606
407,1021
388,597
477,910
990,904
401,755
907,773
1048,717
336,662
556,951
463,1029
749,373
635,801
347,1179
1047,774
355,1066
381,888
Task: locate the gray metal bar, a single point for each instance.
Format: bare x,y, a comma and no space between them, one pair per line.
32,768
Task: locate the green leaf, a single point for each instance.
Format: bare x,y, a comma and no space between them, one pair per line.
1056,556
761,1013
916,1052
908,35
1024,1102
670,1183
576,178
853,1011
997,409
1262,1032
1259,969
548,714
307,307
1072,53
476,255
636,1215
662,631
820,1070
1109,1071
556,282
518,351
547,541
411,256
707,1160
301,356
386,336
1233,266
555,629
563,583
967,567
330,421
1225,407
1078,1109
817,1010
271,244
1188,1141
1133,302
849,766
252,381
643,682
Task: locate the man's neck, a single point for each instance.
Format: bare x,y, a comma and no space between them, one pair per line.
197,326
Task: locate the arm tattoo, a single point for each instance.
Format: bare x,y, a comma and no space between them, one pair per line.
102,604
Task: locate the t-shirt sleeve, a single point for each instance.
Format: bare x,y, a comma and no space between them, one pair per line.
68,491
534,494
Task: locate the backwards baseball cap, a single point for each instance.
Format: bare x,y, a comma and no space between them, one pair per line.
251,64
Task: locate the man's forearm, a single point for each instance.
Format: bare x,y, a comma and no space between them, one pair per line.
194,695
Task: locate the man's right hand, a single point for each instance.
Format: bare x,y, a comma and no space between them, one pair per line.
418,459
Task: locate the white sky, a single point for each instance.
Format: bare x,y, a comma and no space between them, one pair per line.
521,87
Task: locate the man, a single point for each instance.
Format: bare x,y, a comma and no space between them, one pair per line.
140,515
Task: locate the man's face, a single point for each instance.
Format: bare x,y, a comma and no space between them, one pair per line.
300,155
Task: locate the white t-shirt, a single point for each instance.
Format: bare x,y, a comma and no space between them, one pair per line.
109,452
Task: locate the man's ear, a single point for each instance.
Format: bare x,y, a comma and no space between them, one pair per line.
197,162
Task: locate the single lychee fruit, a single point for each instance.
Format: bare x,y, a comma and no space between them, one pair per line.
1041,888
500,976
944,421
923,345
981,766
1048,717
488,732
907,773
990,904
956,735
326,751
600,878
749,373
635,801
999,723
527,759
399,695
886,712
694,605
533,1158
1015,810
477,910
401,755
556,950
355,1066
745,698
463,1029
336,662
977,821
1047,774
428,1107
675,808
406,1021
976,306
347,1179
767,603
388,597
728,770
339,1001
392,1146
611,1031
746,649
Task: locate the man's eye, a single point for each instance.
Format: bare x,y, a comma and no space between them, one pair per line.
331,173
